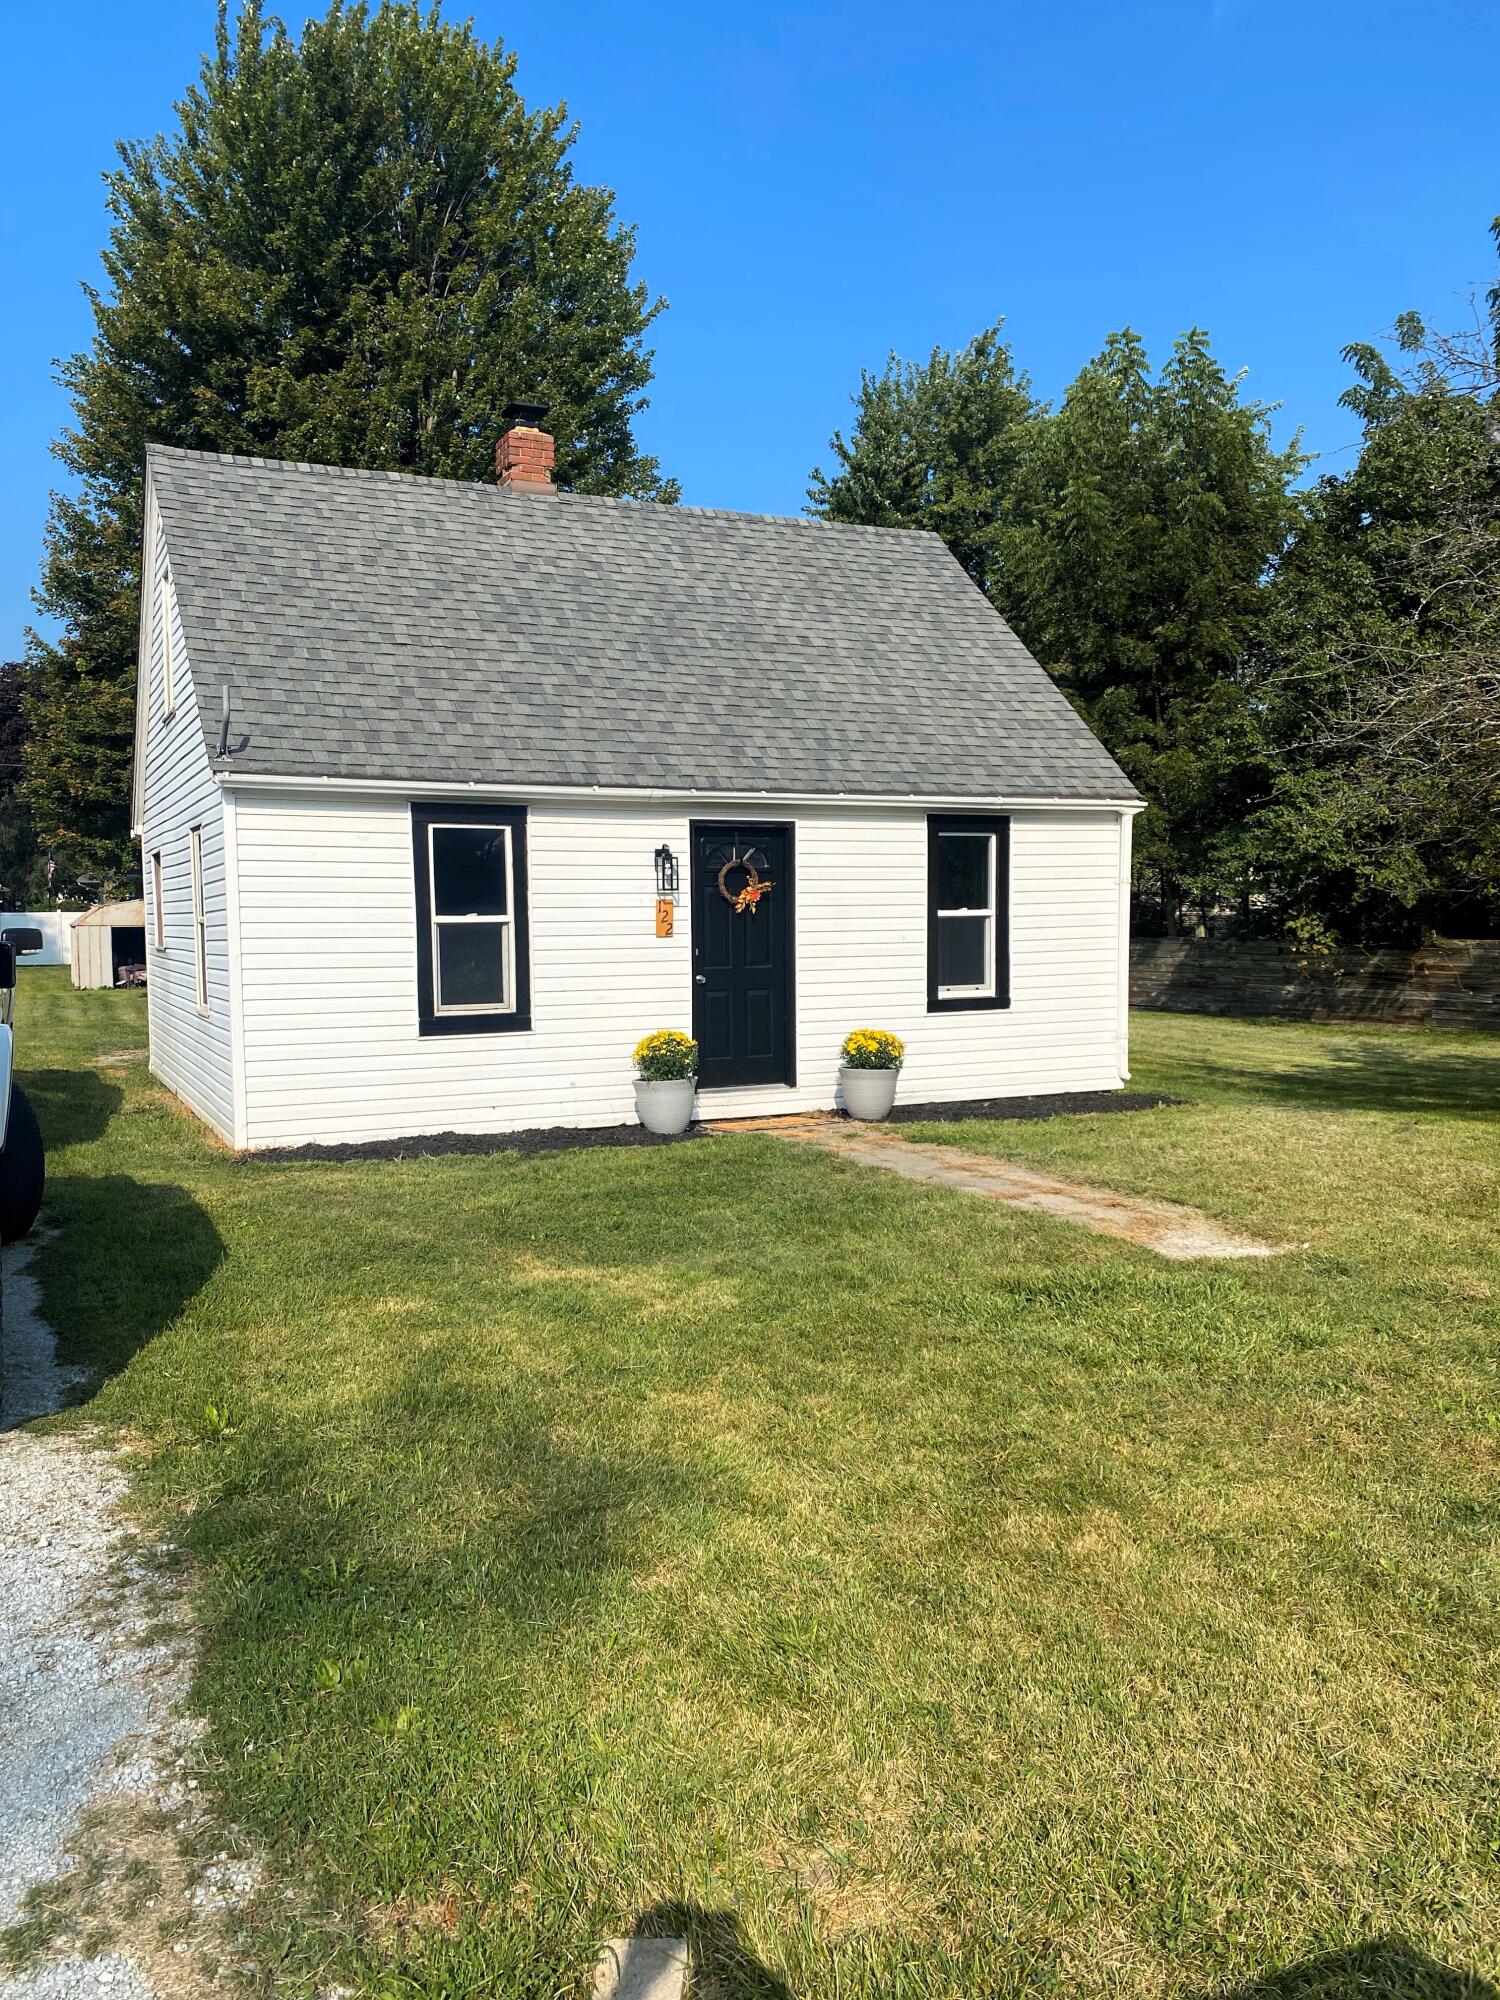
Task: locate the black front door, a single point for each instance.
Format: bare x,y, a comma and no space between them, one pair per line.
742,954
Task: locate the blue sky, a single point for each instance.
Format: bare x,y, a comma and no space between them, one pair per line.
814,185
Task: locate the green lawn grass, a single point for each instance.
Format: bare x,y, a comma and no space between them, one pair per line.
910,1596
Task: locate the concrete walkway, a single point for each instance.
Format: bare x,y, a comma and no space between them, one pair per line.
1161,1226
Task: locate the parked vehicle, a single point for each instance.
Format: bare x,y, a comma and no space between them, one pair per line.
22,1166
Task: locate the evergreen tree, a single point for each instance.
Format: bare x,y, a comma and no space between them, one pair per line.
22,871
1126,536
936,444
356,248
1145,523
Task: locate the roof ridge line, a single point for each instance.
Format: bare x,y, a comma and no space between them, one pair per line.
481,488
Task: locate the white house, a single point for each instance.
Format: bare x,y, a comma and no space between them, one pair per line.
419,761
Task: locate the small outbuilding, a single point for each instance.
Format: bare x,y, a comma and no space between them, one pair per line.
109,945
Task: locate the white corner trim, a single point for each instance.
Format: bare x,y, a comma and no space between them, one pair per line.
1125,833
143,660
240,1111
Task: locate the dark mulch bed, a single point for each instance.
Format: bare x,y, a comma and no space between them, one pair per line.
538,1139
1062,1104
564,1138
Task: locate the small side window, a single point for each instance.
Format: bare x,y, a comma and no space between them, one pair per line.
200,925
158,914
968,912
168,649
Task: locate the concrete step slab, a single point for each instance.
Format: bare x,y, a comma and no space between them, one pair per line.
641,1968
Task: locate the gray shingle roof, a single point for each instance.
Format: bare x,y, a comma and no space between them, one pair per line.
376,625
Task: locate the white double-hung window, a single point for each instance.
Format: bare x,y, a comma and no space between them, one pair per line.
968,957
473,933
471,918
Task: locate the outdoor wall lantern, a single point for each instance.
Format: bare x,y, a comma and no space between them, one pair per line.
666,871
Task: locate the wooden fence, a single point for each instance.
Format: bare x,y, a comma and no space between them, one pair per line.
1445,984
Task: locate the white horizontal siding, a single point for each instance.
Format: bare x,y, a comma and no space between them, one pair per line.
190,1050
326,943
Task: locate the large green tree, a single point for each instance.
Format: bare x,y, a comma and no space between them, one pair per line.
1145,523
355,248
23,882
1126,535
1379,671
936,444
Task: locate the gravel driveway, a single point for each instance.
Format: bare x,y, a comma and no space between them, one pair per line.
94,1662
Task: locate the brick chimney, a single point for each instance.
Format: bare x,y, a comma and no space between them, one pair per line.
523,457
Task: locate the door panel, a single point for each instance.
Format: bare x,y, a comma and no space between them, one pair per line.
742,962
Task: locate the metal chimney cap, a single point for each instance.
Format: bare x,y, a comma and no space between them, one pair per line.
530,415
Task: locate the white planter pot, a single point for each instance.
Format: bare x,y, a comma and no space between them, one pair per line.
666,1107
868,1093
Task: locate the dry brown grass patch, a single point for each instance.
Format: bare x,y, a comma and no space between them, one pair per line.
130,1890
393,1926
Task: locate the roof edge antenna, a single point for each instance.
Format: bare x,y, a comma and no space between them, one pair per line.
224,725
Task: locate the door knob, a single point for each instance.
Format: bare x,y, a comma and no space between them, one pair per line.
699,979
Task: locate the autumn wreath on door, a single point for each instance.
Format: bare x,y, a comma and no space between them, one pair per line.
746,899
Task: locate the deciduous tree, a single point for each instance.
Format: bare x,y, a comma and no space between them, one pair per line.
1379,673
356,246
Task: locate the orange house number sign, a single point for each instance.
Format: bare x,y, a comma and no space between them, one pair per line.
664,916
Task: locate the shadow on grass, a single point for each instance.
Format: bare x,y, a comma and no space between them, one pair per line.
719,1954
127,1257
1360,1075
544,1529
72,1106
1381,1969
353,1578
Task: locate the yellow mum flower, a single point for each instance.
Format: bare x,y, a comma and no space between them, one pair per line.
665,1055
873,1048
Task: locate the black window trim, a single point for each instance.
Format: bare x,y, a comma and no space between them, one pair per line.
997,824
518,1018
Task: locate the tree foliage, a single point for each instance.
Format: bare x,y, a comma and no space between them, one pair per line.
357,246
1145,522
936,444
1125,534
1379,666
22,871
1304,683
